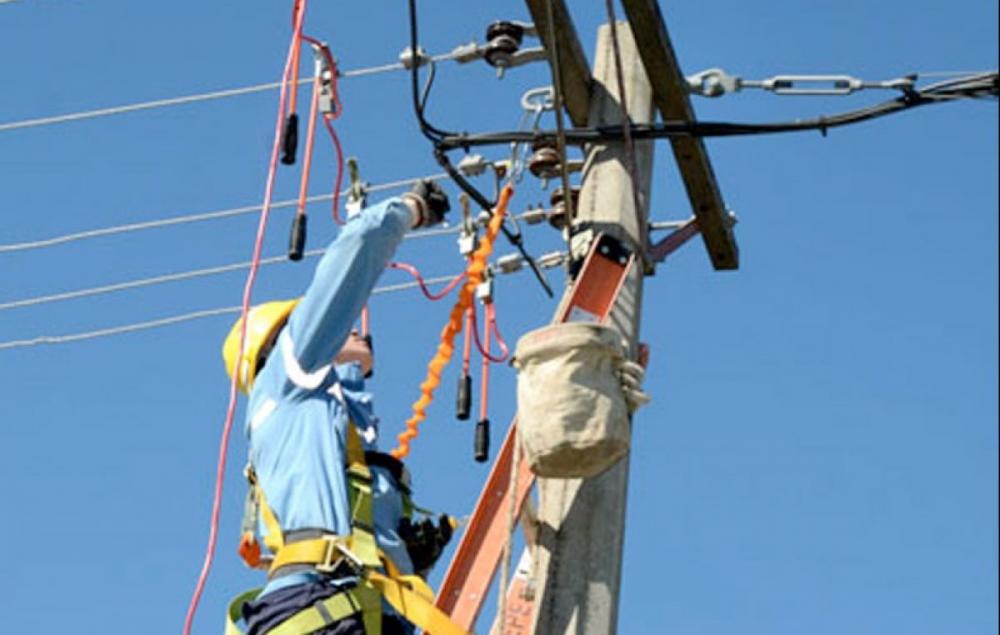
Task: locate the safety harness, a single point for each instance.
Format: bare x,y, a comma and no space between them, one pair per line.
358,553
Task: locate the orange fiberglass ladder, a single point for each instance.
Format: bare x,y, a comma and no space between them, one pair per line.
478,555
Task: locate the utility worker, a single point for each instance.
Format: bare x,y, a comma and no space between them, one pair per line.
335,511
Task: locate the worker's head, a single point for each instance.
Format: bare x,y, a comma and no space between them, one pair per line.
264,322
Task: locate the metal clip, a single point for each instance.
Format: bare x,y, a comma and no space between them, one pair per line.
468,239
473,164
551,260
357,193
484,290
534,215
324,74
714,82
509,263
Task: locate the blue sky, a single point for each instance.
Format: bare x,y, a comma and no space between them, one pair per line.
820,455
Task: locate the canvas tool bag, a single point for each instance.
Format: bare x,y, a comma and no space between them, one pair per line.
573,417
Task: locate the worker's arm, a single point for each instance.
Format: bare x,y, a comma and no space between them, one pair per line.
347,272
344,278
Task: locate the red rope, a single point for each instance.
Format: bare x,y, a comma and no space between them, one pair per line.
247,293
490,327
300,209
484,386
423,285
467,346
340,169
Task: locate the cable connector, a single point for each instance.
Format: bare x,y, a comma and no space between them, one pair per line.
534,215
406,58
473,164
509,263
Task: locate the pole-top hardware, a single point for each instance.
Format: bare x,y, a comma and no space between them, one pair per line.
503,47
716,82
557,216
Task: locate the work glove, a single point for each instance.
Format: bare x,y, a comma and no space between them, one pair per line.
425,540
431,201
630,374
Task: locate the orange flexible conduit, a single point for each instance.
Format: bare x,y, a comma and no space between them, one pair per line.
477,265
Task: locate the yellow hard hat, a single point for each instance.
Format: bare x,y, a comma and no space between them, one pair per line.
263,322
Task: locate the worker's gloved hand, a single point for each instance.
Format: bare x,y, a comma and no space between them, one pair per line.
425,540
430,201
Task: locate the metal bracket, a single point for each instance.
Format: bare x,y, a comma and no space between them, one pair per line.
357,193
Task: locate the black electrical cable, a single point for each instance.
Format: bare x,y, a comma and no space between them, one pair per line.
986,85
435,136
429,131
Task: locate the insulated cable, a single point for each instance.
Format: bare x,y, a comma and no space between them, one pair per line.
433,297
490,329
183,317
435,135
982,86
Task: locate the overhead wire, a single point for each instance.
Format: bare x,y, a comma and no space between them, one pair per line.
204,216
183,317
981,86
193,273
434,135
200,97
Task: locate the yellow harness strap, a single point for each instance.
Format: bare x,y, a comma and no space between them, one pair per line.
364,599
409,595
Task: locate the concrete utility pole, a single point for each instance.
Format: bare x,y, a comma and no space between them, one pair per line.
582,522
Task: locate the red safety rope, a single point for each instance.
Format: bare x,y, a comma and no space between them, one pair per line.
300,209
423,285
247,293
484,386
470,317
490,328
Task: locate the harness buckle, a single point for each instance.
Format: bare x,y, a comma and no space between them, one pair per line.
331,555
352,559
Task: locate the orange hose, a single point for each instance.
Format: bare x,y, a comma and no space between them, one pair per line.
477,265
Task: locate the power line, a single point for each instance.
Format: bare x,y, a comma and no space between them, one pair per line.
193,218
190,99
985,85
175,319
186,275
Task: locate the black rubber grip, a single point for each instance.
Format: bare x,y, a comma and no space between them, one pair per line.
297,239
290,139
481,452
463,404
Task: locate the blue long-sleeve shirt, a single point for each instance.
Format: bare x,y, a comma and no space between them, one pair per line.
301,403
